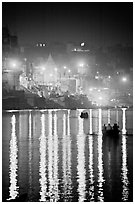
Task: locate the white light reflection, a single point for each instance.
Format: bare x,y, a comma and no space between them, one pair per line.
50,157
90,121
81,162
69,158
13,188
42,163
124,174
109,116
100,161
55,166
91,189
124,121
100,122
117,116
30,154
66,158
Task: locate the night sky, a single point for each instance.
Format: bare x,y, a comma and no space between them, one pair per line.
99,24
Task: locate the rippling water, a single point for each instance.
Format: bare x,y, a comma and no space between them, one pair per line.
52,155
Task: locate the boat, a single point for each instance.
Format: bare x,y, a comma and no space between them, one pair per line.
111,132
84,115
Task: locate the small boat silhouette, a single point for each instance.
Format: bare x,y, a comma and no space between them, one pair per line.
84,115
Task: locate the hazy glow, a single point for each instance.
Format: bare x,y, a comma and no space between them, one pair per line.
13,162
124,169
100,98
124,79
81,64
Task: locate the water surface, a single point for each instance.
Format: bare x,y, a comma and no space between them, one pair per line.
50,155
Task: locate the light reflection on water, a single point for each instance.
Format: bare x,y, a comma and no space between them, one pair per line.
81,162
124,174
42,163
72,165
100,170
91,169
13,166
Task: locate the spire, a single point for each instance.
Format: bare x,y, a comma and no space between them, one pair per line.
50,64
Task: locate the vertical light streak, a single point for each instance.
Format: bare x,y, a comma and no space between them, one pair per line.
117,116
30,153
100,122
124,121
50,156
81,162
55,152
100,169
124,169
69,157
42,163
91,170
109,116
64,155
91,121
13,166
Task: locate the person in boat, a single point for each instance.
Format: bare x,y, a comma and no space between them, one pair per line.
115,127
109,127
104,127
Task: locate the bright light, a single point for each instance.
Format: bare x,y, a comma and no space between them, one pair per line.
51,75
56,69
100,98
124,79
69,70
96,77
109,77
90,89
14,65
82,44
81,65
43,68
65,67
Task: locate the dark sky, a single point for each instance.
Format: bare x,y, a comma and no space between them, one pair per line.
95,23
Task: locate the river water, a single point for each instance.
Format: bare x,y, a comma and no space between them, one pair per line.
52,155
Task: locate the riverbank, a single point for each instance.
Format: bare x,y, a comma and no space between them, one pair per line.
18,100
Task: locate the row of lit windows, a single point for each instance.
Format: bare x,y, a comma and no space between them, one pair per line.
40,44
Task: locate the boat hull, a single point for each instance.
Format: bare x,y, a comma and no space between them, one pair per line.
111,132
